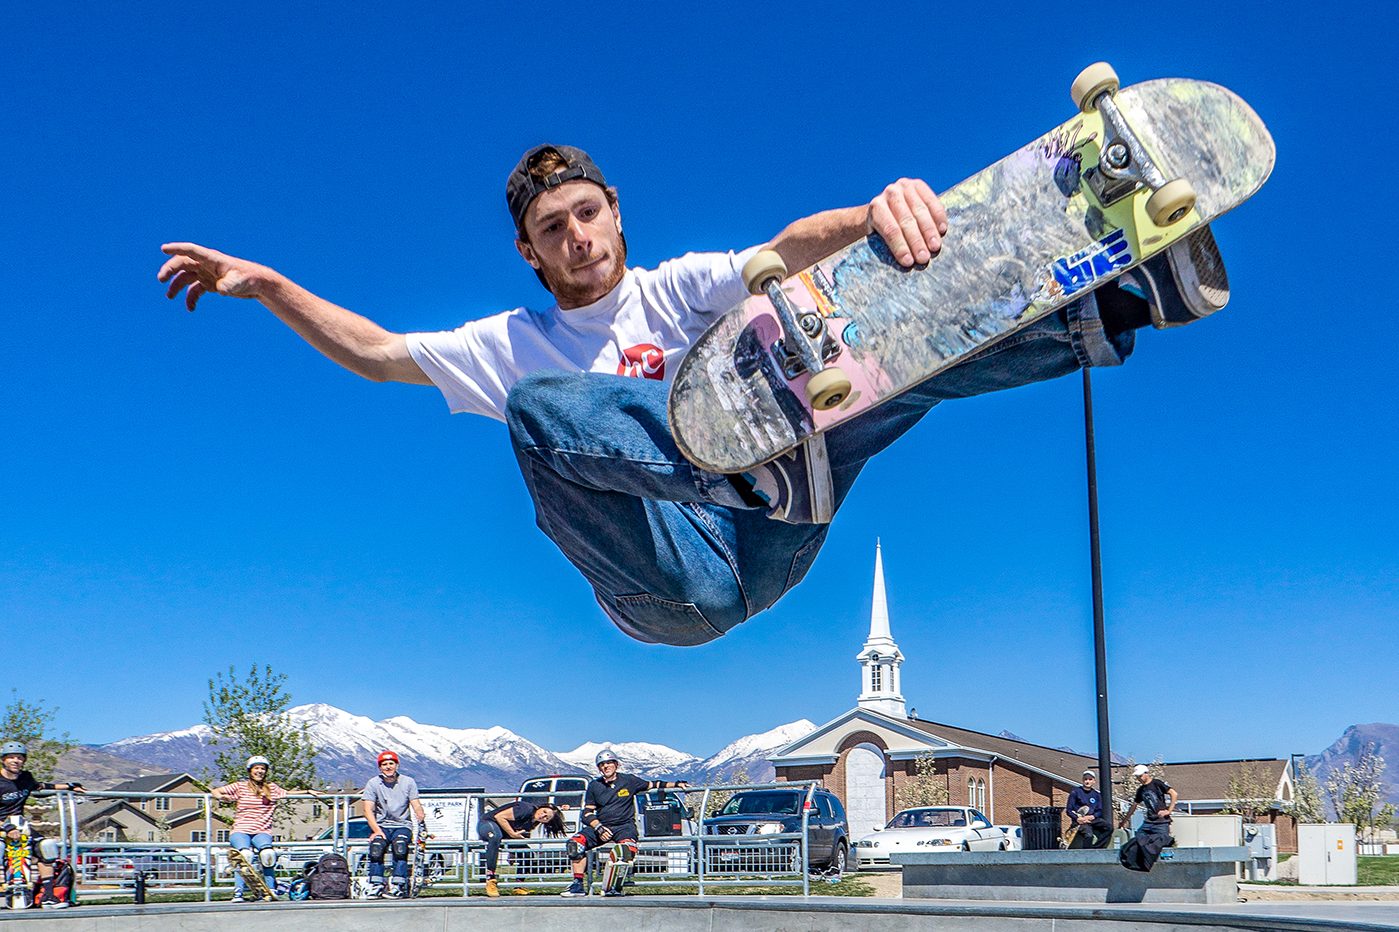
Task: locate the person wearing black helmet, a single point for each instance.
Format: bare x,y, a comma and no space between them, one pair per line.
609,814
16,784
675,554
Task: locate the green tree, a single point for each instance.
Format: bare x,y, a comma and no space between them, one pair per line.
32,724
249,716
1249,792
926,787
1306,804
1356,789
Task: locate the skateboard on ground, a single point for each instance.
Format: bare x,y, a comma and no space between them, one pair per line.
19,884
1136,170
252,875
423,872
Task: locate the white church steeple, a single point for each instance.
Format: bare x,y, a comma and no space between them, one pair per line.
881,659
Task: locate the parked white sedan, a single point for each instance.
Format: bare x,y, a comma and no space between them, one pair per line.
930,828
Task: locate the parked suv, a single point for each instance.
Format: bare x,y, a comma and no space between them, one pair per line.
778,811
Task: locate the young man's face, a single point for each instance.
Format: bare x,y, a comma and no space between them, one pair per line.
388,768
1143,778
13,764
1089,782
575,242
608,768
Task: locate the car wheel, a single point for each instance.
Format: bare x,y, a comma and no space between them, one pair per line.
1002,847
840,861
966,846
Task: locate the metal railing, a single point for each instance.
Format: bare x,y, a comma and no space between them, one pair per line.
702,853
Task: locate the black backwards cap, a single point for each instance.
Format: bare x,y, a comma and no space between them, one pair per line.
522,187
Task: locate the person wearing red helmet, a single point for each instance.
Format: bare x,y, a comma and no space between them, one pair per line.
387,800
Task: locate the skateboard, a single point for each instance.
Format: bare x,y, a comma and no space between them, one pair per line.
423,873
252,876
19,885
1136,170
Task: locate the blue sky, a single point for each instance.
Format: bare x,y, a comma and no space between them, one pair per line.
181,492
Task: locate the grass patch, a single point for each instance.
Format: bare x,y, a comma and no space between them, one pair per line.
1378,870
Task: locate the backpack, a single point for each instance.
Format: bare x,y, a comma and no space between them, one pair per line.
329,879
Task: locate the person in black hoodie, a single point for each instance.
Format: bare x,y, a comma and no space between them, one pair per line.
1088,814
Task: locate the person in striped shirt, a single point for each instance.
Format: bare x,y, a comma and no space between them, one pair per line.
255,800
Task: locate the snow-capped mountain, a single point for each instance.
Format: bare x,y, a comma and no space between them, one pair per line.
638,757
749,755
435,755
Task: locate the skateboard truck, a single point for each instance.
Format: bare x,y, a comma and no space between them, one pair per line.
805,345
1123,163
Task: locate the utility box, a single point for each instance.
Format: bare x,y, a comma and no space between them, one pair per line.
1261,840
1207,831
1326,854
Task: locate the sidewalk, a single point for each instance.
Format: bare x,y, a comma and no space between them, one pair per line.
1269,892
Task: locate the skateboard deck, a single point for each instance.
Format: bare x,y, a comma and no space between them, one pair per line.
18,883
1025,237
252,876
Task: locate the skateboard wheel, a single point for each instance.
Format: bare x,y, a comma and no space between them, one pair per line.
1170,202
764,265
1092,81
827,388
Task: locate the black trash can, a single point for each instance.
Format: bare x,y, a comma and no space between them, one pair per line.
1039,827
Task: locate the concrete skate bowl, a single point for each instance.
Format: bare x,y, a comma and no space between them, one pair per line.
709,914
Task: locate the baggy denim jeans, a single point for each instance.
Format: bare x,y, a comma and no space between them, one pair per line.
673,553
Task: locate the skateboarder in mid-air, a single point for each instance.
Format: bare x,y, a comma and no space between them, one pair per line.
677,555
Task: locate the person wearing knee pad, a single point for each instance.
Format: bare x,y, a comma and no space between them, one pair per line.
388,800
16,784
255,800
609,815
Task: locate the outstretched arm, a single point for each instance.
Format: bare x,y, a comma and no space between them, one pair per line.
907,215
354,342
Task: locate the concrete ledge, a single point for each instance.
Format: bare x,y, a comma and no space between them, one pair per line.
1183,875
710,914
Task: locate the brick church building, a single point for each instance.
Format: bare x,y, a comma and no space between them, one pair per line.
867,753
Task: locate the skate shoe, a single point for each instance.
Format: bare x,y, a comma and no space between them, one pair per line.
236,898
492,888
1183,284
575,889
53,902
796,486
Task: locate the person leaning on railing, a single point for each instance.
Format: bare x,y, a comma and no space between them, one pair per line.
515,820
16,784
255,801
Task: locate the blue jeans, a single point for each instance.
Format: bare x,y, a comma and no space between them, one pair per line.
400,865
673,553
489,831
257,843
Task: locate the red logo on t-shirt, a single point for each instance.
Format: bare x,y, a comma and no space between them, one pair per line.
643,361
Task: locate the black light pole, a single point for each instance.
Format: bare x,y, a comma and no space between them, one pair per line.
1100,650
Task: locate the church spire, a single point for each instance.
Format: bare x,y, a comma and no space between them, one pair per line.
880,660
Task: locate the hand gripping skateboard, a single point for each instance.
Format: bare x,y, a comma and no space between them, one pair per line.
252,875
1136,170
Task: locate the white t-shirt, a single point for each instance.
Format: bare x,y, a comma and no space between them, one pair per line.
641,328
